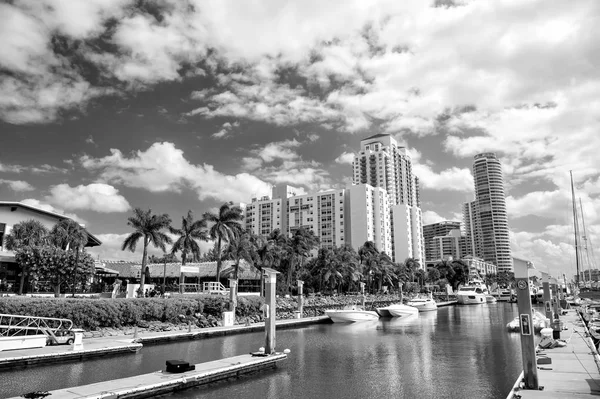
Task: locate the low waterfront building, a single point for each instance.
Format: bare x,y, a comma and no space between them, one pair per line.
480,265
12,213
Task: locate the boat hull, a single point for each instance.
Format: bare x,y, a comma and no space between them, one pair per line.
470,299
490,299
424,306
397,311
351,316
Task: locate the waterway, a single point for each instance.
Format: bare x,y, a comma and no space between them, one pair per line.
456,352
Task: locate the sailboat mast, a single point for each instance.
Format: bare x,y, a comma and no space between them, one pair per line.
585,247
575,227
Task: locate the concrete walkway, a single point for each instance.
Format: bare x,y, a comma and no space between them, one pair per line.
94,347
573,372
161,382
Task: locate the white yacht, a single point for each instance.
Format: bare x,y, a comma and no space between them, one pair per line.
423,304
539,321
351,314
397,310
470,295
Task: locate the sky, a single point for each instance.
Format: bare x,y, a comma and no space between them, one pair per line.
177,105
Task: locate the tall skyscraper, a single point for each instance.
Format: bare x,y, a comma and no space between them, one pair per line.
381,162
486,220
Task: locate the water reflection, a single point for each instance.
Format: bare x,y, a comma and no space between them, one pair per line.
452,353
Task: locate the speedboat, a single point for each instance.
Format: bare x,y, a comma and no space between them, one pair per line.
470,295
539,321
397,310
490,299
351,314
423,304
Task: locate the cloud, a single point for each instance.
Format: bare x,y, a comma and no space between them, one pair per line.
345,158
47,207
225,129
95,197
162,167
313,137
17,185
278,150
11,168
453,179
90,140
430,217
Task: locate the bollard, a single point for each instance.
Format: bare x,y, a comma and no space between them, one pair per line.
362,292
300,299
135,332
530,376
269,308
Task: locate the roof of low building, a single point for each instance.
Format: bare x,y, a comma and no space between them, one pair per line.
92,240
196,269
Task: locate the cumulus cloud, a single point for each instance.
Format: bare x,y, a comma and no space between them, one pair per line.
95,197
163,167
453,179
345,158
430,217
17,185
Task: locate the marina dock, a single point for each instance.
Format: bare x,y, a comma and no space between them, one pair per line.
160,382
573,369
95,347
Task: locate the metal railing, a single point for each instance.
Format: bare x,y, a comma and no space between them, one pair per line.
209,287
16,325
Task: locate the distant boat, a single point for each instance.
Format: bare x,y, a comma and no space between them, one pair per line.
423,304
397,310
539,321
490,299
471,294
351,315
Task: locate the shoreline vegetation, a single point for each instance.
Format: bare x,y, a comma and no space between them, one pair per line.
110,317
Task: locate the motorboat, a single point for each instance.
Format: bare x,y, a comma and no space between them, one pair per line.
504,295
471,295
539,321
397,310
351,314
490,299
423,304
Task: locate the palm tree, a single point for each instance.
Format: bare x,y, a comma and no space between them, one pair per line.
240,248
350,261
265,252
66,235
149,227
29,233
369,258
226,224
190,231
300,244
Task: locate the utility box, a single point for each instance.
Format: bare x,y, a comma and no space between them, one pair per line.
228,319
179,366
78,339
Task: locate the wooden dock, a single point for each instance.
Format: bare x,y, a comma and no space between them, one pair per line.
160,382
573,371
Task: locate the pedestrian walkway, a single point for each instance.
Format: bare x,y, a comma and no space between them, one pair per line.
573,369
94,347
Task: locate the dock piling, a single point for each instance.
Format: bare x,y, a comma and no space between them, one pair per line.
526,322
270,278
300,298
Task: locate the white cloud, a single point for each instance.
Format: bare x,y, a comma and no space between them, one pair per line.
47,207
278,150
313,137
430,217
11,168
345,158
453,179
17,185
96,197
162,167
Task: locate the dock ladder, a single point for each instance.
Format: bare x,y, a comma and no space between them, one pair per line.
15,325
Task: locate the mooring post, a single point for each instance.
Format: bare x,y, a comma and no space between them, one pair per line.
547,295
362,292
300,299
270,278
530,377
556,327
233,294
400,294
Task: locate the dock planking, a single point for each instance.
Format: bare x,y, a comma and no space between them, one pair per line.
160,382
573,371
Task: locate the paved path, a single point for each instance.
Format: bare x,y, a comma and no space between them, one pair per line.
573,372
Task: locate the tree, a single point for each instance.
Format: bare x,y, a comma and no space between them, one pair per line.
433,275
369,255
300,244
226,224
240,248
68,235
166,258
28,234
190,231
149,227
412,265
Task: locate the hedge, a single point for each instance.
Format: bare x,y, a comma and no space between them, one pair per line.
91,314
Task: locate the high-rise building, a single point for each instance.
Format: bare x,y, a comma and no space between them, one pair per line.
381,162
368,217
442,240
486,220
265,214
322,213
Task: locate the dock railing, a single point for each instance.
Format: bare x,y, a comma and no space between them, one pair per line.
17,325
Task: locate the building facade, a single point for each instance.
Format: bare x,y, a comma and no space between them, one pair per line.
481,266
381,162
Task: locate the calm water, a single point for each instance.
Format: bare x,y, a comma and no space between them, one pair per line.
456,352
